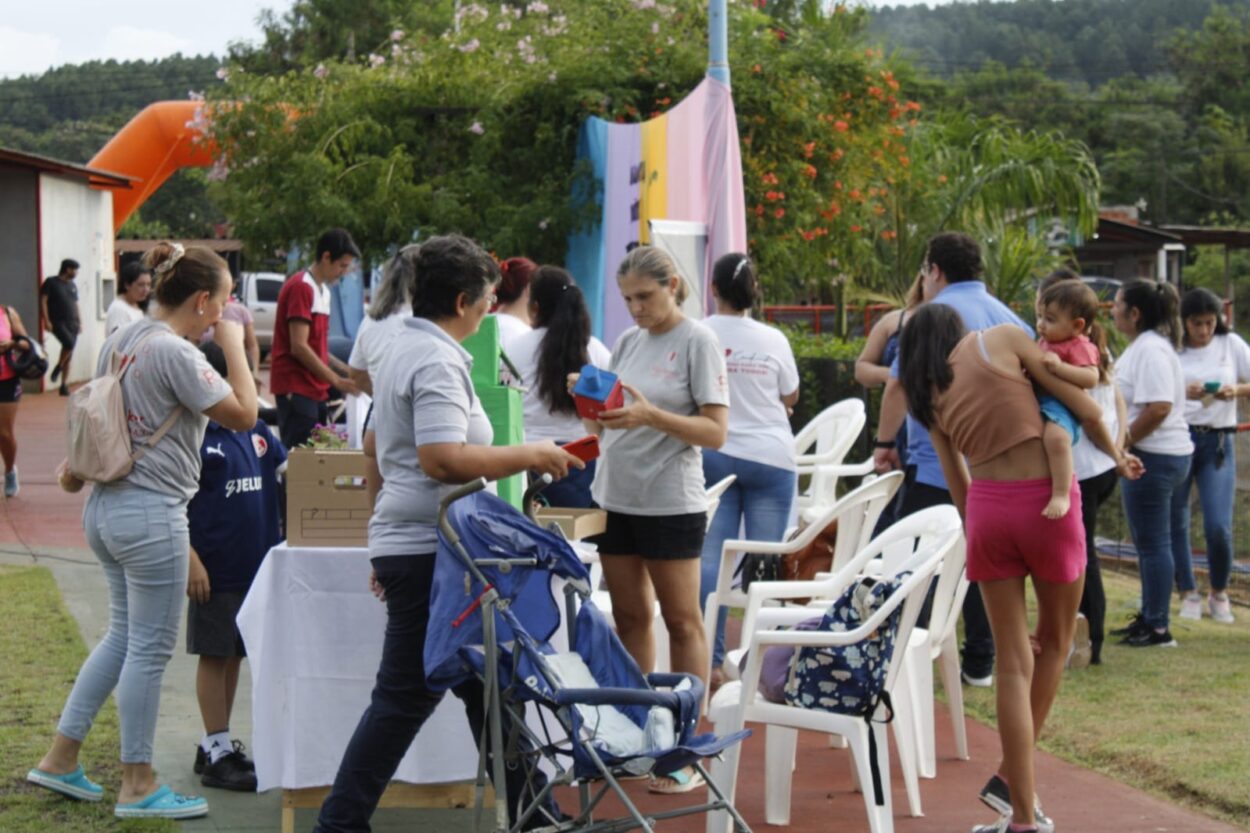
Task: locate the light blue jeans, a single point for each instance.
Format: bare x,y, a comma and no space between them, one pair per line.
1215,471
1155,506
759,500
140,538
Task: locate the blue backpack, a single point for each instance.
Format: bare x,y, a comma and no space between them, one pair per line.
850,679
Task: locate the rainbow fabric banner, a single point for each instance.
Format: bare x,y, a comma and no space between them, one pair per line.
683,165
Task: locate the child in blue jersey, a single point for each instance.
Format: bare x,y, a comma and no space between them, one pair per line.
234,520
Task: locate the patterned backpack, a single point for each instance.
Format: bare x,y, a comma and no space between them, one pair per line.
851,679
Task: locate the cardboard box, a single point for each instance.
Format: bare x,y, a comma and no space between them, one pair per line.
327,504
576,524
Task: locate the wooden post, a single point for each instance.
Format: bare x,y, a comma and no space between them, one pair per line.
1228,288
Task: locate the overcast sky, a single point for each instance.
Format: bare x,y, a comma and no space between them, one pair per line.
36,35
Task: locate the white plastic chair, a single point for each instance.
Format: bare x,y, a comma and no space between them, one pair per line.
820,449
856,513
738,702
603,600
938,643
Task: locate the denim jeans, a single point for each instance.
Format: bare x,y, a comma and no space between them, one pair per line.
1215,473
140,538
760,500
1155,507
401,703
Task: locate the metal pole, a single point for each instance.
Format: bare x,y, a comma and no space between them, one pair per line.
718,41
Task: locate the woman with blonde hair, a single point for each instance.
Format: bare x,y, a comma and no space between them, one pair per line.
137,526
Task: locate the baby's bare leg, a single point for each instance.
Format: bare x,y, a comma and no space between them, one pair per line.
1058,445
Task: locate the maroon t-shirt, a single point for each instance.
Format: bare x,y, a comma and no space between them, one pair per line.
300,300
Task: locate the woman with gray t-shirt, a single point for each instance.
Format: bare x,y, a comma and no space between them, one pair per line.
137,526
650,476
432,434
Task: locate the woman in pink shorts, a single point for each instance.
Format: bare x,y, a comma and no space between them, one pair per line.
970,391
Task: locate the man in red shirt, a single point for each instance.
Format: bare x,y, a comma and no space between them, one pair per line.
302,371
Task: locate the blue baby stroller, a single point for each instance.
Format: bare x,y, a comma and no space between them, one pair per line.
494,613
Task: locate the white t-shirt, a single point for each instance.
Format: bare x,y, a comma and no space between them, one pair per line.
372,339
1088,460
1225,360
761,370
1150,371
510,329
120,313
540,422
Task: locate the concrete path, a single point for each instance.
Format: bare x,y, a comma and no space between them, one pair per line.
42,526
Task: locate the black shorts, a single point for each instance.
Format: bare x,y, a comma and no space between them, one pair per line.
66,335
10,390
654,537
211,631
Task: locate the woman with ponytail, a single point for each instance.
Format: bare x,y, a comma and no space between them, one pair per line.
559,344
1157,506
137,526
763,386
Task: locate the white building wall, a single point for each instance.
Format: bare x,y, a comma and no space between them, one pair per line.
76,221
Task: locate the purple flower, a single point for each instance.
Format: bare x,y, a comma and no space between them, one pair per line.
397,35
477,128
471,46
376,60
320,71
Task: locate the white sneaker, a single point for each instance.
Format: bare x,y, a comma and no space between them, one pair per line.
1191,607
1221,609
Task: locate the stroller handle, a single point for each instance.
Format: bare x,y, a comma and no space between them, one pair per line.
454,495
527,502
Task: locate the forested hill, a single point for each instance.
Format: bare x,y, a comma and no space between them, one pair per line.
70,112
1071,40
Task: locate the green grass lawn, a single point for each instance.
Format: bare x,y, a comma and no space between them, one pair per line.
1173,722
42,650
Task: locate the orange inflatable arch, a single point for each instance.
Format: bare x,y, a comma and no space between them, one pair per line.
151,148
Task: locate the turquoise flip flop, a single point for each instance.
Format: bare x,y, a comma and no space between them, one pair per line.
73,784
164,804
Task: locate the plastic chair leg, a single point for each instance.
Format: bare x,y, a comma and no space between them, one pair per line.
780,743
920,677
724,772
948,662
905,739
880,819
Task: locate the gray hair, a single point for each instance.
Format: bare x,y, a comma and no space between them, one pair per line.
395,289
655,263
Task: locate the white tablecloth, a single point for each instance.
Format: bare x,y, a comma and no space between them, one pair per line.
314,640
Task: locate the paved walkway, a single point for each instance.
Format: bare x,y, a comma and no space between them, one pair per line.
42,526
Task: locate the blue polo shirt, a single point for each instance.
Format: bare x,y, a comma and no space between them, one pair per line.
980,310
234,517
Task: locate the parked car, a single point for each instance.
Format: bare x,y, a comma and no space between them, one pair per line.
259,292
1105,288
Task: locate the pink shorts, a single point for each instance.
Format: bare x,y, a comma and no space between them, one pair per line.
1008,537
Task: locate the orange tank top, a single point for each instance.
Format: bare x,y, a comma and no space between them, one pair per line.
986,410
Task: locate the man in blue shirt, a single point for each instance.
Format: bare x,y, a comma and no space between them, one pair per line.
952,276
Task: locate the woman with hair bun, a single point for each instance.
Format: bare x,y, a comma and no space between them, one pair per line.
137,526
650,477
1216,364
512,300
559,344
1150,377
763,386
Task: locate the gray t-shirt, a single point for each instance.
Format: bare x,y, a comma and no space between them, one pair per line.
422,396
168,373
643,471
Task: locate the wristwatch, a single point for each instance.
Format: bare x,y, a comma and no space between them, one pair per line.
883,444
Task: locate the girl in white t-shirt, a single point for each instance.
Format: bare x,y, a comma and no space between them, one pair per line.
134,284
1216,364
512,300
763,386
1149,375
559,344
